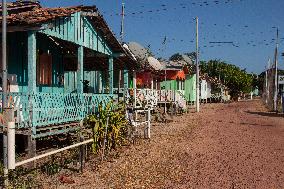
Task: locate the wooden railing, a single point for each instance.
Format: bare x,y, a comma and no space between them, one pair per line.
43,109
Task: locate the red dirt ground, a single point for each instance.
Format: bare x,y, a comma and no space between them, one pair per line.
237,145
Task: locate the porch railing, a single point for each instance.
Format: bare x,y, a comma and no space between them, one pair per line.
43,109
166,95
180,98
146,98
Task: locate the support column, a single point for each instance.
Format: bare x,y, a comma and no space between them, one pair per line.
32,62
152,83
156,84
147,131
119,82
125,78
134,88
110,69
80,69
31,148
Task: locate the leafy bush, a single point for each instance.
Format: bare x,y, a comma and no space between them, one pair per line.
112,134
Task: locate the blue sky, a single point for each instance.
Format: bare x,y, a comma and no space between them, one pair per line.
249,24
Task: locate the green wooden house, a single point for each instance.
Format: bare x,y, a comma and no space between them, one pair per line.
61,64
190,87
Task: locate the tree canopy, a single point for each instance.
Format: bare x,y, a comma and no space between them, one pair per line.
176,57
235,78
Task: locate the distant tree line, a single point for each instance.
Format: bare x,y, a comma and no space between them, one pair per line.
236,79
232,76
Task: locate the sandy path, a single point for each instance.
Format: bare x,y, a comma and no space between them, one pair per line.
234,145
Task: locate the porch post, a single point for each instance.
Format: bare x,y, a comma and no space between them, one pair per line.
31,143
125,78
156,84
32,62
110,69
80,72
134,88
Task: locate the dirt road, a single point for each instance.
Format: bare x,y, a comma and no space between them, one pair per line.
235,145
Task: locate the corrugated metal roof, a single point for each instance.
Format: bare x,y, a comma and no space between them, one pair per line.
142,56
174,65
138,50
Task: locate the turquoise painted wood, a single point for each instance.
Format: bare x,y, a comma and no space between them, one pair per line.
32,71
57,103
46,45
125,78
94,81
79,30
110,69
94,78
103,77
18,57
53,108
80,70
32,61
70,81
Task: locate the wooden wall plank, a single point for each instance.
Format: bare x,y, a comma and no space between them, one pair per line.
78,29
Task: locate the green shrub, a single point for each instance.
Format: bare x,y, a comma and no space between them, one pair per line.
114,133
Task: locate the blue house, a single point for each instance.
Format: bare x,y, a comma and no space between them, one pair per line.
61,65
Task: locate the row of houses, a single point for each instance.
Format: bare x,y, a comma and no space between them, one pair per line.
63,62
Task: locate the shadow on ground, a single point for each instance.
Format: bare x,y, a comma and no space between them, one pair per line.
267,114
254,124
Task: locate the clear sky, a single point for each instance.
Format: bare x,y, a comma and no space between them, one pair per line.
249,24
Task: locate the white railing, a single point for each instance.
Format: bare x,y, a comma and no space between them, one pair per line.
146,98
149,98
166,95
180,99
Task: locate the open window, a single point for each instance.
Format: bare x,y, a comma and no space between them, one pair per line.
44,69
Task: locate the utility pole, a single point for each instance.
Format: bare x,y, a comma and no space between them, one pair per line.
4,88
276,70
266,82
122,23
166,96
197,68
121,41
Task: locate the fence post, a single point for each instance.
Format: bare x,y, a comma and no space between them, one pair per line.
11,144
148,128
81,148
8,115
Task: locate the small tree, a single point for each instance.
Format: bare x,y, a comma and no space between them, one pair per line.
236,79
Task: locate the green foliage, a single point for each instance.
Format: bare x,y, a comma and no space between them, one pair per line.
176,57
115,132
191,55
233,77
